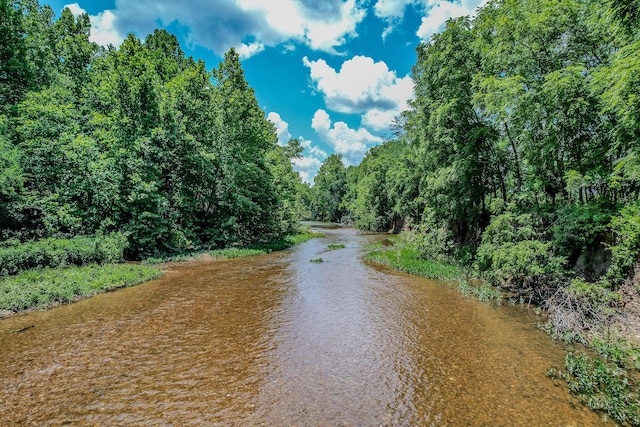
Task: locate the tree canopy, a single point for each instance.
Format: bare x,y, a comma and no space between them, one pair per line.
137,138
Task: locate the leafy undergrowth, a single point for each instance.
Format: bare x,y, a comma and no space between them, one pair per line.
334,246
16,257
45,288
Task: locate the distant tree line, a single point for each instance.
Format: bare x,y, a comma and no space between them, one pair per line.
137,139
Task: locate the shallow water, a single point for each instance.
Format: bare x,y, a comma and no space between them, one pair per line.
278,340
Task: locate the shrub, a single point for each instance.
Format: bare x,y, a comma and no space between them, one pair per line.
578,227
432,240
52,252
513,254
625,251
522,264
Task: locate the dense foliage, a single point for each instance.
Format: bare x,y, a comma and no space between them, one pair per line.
519,160
136,139
519,154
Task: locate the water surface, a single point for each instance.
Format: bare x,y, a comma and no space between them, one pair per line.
278,340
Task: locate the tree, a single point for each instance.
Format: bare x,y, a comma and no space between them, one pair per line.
456,157
374,188
14,68
243,138
329,188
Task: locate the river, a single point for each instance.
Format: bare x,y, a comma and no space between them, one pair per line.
278,340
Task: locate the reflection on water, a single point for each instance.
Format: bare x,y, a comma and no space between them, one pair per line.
278,340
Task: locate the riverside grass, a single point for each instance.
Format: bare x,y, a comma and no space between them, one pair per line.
229,253
44,288
39,289
408,260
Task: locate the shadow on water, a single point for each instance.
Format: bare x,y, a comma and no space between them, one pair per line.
279,340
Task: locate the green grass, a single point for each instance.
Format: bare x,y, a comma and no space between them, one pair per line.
407,260
316,260
481,292
334,246
45,288
602,386
229,253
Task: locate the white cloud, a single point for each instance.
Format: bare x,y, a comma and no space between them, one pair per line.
439,11
352,144
436,13
437,16
312,156
248,50
282,127
362,86
248,25
103,26
307,165
392,11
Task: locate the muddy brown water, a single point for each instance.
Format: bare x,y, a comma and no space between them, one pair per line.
278,340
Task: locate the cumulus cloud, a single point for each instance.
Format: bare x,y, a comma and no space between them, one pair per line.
362,86
439,11
312,157
392,11
351,143
436,13
282,127
104,29
248,25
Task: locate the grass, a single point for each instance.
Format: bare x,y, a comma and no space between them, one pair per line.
234,252
334,246
601,385
316,260
42,288
46,288
481,292
408,260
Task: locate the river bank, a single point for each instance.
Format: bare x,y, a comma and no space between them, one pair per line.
255,341
41,288
602,364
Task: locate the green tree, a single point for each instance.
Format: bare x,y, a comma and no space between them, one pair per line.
374,188
14,68
457,160
329,188
243,138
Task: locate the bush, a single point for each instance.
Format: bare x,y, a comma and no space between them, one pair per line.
50,253
578,228
625,251
431,240
513,254
522,264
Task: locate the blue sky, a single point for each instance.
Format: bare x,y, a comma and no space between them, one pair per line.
332,73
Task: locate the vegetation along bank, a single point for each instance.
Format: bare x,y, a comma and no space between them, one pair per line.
518,162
